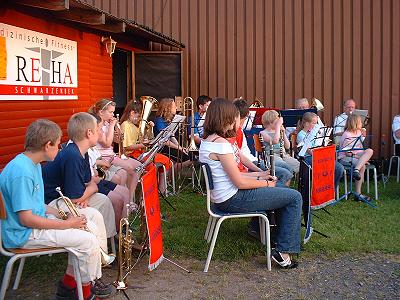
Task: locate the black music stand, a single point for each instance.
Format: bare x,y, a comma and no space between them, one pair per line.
292,116
352,145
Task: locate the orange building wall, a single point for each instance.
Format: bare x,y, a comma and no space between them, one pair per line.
94,82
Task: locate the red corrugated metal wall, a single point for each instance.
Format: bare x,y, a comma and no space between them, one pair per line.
280,50
94,82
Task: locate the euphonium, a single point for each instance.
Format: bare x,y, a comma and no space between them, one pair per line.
317,104
124,252
148,103
106,259
188,109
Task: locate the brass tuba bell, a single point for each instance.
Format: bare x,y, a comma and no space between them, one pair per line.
317,104
148,103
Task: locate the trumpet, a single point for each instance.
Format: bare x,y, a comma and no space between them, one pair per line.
188,106
106,258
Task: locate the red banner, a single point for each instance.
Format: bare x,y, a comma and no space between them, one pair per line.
153,217
323,171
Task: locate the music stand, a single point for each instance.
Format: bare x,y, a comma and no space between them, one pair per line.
351,146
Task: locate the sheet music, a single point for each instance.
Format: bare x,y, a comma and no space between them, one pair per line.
322,137
363,113
308,141
249,120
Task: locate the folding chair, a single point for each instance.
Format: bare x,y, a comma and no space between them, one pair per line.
217,217
260,151
19,253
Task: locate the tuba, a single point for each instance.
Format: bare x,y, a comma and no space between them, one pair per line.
144,129
317,104
106,259
256,104
188,109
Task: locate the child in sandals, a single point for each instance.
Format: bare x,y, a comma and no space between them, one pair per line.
352,138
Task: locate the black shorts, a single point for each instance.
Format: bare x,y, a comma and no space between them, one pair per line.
106,186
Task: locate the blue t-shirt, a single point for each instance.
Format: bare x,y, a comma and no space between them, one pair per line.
22,187
197,130
159,124
70,171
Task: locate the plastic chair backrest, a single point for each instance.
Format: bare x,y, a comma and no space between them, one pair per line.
257,143
3,212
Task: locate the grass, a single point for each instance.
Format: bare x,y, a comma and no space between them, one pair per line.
353,227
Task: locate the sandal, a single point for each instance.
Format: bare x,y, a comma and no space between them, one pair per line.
365,198
281,262
356,174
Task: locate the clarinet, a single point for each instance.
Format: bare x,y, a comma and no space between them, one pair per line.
271,160
281,144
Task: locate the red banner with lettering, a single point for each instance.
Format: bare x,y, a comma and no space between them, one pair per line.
153,216
323,171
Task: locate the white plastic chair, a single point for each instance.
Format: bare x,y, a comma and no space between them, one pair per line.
216,218
368,168
19,253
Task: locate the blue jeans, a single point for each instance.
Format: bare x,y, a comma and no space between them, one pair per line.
339,169
283,174
287,204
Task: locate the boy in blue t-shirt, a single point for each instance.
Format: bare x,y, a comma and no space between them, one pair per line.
32,224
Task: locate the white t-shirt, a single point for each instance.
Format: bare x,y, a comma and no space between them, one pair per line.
223,186
396,126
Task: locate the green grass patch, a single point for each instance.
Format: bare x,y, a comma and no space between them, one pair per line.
352,227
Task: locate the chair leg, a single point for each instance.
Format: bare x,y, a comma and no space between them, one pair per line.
19,273
267,234
367,179
212,229
7,276
78,279
173,178
261,224
208,227
345,183
398,169
214,239
376,184
390,167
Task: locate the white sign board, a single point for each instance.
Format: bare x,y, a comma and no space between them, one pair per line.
36,66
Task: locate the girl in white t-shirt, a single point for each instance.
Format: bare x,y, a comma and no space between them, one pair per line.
236,193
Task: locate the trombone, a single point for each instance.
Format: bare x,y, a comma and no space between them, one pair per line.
188,109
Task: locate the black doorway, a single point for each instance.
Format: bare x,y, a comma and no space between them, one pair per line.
122,78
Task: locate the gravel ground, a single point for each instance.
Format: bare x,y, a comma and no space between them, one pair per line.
371,276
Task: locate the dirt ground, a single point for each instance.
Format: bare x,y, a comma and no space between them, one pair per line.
372,276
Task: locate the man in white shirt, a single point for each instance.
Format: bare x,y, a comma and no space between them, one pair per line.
339,123
396,133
